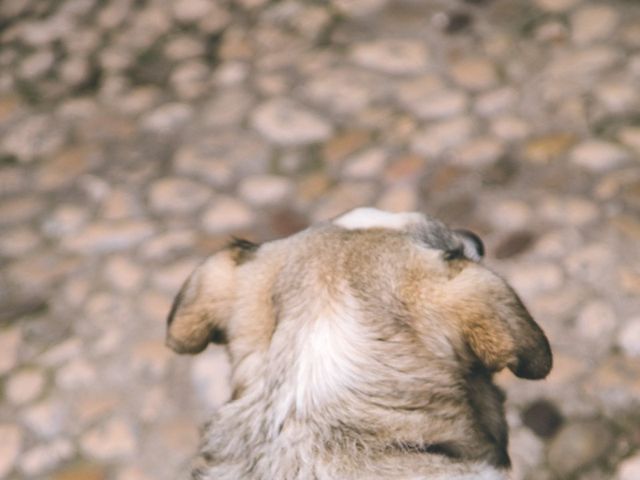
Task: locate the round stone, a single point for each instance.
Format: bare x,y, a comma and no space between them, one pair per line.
110,441
629,338
10,340
392,56
479,152
177,195
167,118
42,458
579,445
366,164
629,468
437,139
598,155
263,190
596,323
593,22
38,135
286,123
474,73
25,386
226,215
556,6
9,447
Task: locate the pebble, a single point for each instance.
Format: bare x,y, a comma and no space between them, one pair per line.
398,198
104,237
38,135
76,374
288,124
592,23
167,118
9,447
392,56
479,152
440,137
544,149
630,136
578,445
109,441
568,210
510,128
10,340
596,323
474,73
366,164
556,6
343,91
534,279
65,220
629,338
629,468
25,386
598,155
177,195
123,274
18,241
265,190
510,214
47,418
36,64
227,215
496,101
344,197
43,458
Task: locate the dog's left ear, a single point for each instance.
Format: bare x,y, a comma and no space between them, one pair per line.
499,330
203,306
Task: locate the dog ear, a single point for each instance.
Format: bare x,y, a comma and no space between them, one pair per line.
203,306
500,331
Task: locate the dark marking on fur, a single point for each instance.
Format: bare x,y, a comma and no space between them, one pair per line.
243,250
474,239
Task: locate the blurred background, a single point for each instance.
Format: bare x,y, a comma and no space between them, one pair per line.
137,136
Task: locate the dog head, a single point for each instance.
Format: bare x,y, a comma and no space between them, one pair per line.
401,273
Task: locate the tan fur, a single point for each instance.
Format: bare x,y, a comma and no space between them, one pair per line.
358,353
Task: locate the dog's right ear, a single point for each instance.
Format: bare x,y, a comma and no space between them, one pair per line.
203,306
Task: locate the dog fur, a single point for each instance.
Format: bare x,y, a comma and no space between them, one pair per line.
361,348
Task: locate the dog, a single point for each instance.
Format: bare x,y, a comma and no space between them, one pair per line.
361,348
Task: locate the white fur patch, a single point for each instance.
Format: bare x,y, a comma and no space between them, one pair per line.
330,355
374,218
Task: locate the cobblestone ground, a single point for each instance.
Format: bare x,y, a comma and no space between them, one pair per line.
137,136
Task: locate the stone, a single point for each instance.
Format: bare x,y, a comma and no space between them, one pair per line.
170,278
630,137
590,263
210,373
47,418
592,23
150,359
18,241
25,386
443,136
405,167
190,79
617,96
12,180
629,338
104,237
265,190
479,152
596,323
109,441
629,468
429,99
598,155
133,473
510,214
367,164
568,210
36,136
496,101
37,64
177,195
515,243
343,145
398,198
65,220
579,445
536,278
10,340
286,123
188,11
543,418
77,374
183,47
392,56
82,471
19,209
343,91
65,166
227,215
474,73
208,167
9,447
168,244
43,458
167,118
544,149
556,6
123,274
526,452
229,108
510,128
